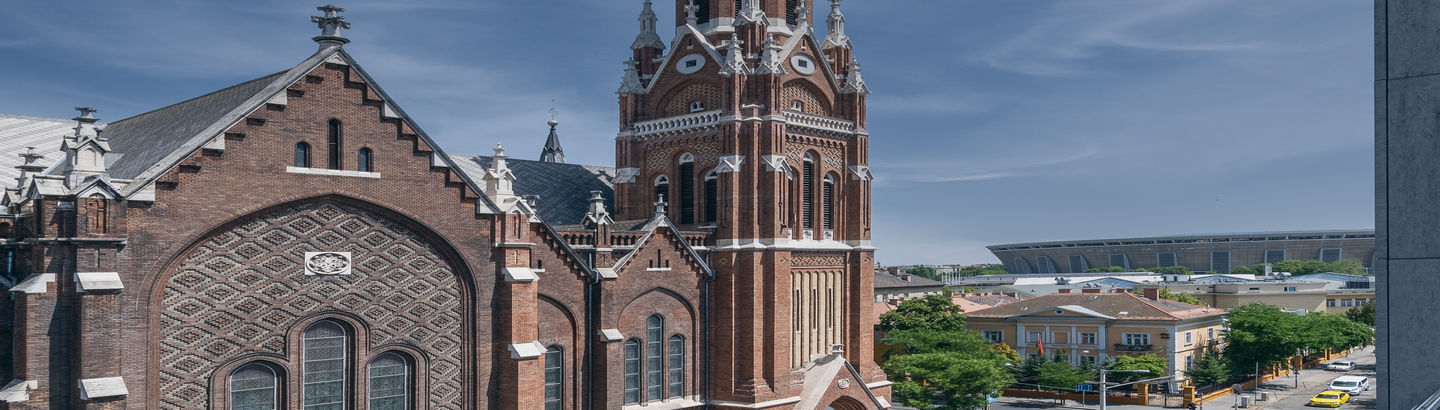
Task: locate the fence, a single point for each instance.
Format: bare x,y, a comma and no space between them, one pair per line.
1207,393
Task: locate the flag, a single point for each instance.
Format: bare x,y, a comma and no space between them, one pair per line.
1040,346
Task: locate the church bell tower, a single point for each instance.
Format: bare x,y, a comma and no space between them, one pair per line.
751,127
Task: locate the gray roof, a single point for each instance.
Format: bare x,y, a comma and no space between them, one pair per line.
564,189
17,133
145,139
887,280
1194,238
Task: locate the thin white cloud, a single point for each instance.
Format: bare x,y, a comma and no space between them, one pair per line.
973,169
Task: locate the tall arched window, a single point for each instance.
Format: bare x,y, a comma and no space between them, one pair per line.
632,371
302,155
807,192
333,140
829,198
662,188
323,355
389,382
677,366
99,213
712,197
362,161
254,387
554,378
655,358
687,189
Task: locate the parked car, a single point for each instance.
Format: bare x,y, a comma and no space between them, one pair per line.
1343,366
1330,398
1350,384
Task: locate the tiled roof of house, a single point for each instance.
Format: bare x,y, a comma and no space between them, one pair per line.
972,303
1118,305
887,280
564,189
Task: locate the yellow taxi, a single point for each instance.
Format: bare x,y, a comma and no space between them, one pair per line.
1330,398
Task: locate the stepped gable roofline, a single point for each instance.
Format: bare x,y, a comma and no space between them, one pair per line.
563,188
1107,304
887,280
179,135
1336,234
653,225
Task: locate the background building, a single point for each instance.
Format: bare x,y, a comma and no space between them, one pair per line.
1201,253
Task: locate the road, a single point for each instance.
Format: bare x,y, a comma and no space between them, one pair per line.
1284,393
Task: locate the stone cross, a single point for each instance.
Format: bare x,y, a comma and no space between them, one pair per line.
690,10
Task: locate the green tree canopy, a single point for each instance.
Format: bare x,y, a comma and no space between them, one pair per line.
937,357
1171,270
1266,335
1149,361
1107,269
1059,375
924,272
1325,331
979,270
1210,369
1306,267
1362,314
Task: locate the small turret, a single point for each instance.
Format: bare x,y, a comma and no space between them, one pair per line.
85,149
499,180
597,215
553,152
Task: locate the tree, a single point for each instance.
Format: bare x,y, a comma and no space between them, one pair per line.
1362,314
936,357
1306,267
1107,269
924,272
1180,297
1263,334
1059,375
1171,270
979,270
1210,369
1149,361
1324,331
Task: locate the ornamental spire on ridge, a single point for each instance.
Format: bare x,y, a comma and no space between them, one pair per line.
553,152
330,25
750,12
836,36
690,16
647,36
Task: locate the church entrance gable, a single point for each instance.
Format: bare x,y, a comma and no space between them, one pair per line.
243,291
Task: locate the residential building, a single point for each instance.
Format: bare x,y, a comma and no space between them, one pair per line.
893,288
297,240
1096,327
1290,294
1343,291
1200,253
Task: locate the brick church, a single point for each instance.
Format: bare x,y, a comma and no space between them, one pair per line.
296,241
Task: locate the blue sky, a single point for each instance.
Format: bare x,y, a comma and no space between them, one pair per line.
991,121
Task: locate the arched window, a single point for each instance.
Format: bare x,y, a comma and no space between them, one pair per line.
807,192
655,358
99,213
334,144
254,387
829,198
632,371
554,378
697,106
302,155
712,197
677,366
389,382
687,189
362,161
323,355
662,188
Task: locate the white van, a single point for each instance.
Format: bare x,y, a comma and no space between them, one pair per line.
1350,384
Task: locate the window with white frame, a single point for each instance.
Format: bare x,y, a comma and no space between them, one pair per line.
1136,339
994,336
1345,303
1211,334
1033,337
1189,363
1087,338
1189,338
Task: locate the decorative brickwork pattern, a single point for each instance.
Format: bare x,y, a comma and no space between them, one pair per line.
662,159
246,287
709,95
812,103
831,157
818,260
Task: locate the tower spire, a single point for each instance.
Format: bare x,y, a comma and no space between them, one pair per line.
750,12
330,25
553,152
836,36
647,36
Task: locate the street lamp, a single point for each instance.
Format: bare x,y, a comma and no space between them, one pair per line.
1105,387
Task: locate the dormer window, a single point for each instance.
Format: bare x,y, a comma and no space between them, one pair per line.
797,105
697,106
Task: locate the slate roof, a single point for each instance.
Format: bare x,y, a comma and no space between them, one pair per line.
887,280
1108,304
18,132
564,189
145,139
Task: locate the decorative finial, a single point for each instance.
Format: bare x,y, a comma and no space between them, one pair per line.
854,82
553,152
750,12
630,82
734,57
836,36
330,25
837,349
660,205
554,113
771,62
647,36
87,114
690,10
499,150
802,15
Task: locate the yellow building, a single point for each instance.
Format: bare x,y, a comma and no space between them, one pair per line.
1094,327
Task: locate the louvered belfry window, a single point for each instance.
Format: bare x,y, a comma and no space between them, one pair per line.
807,192
333,140
791,16
829,202
702,15
712,199
687,189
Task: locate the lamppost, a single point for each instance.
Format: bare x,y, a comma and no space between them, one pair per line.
1105,387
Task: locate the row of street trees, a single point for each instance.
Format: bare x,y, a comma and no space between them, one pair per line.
1266,336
